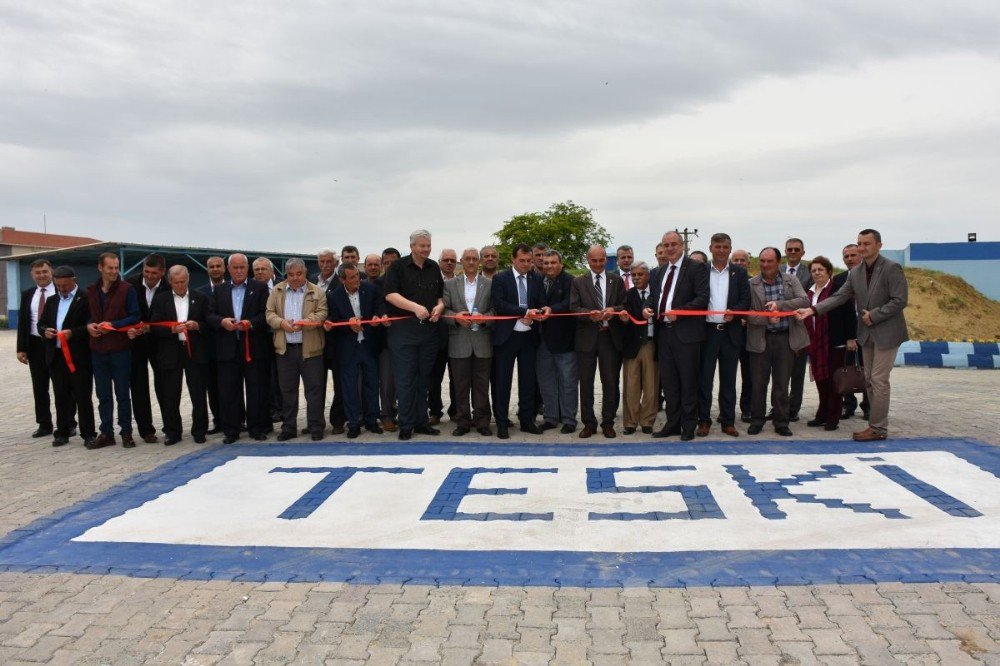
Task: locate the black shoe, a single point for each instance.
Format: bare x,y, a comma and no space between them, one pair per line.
72,432
459,431
427,430
503,432
755,429
90,442
567,429
43,431
316,436
629,430
745,417
199,439
485,431
260,436
230,439
531,429
548,426
405,434
59,440
816,423
687,435
304,431
374,428
337,429
353,432
830,426
783,431
793,418
647,430
666,433
216,429
284,436
170,441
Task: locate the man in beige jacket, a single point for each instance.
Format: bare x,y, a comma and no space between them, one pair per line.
299,348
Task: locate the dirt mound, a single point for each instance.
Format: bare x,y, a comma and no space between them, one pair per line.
946,307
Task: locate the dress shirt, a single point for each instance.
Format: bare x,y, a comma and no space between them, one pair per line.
37,303
355,300
643,295
150,292
669,303
294,298
719,298
470,293
324,283
182,306
239,293
602,292
518,281
62,311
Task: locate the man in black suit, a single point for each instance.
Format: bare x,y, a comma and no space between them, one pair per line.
682,284
180,354
558,371
216,269
742,258
147,286
236,313
68,313
729,289
517,291
600,295
31,345
327,280
641,372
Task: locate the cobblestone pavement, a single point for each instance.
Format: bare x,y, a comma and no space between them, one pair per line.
68,618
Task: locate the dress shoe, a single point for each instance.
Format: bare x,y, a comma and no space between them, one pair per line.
316,436
42,431
337,429
260,436
230,439
687,435
647,430
831,426
427,430
531,429
216,429
128,441
868,435
72,432
101,441
793,418
755,429
170,441
90,443
730,430
567,429
388,425
353,432
284,436
460,430
548,426
405,434
503,432
149,438
704,427
434,420
304,431
745,417
664,432
485,431
199,439
628,430
374,428
60,441
816,423
784,431
609,431
587,432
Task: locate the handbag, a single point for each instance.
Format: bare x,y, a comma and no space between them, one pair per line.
849,378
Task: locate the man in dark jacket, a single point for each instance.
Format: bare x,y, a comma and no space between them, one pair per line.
642,376
558,373
147,286
31,345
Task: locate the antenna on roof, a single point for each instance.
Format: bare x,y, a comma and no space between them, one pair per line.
45,224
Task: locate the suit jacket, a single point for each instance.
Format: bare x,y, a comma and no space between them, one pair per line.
208,333
690,293
314,308
145,343
76,321
168,352
558,333
842,322
229,344
801,272
24,315
584,298
794,298
634,334
462,341
738,299
339,309
503,293
884,299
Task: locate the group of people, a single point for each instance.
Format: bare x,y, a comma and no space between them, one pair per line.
388,329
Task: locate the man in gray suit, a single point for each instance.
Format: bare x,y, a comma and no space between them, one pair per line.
773,341
878,287
470,346
794,265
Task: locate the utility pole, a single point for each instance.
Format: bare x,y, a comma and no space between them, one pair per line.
693,233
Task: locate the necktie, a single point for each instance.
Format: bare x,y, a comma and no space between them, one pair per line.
791,271
548,286
600,296
666,289
522,292
628,280
41,302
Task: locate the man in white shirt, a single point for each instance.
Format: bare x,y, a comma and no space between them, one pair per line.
147,285
31,345
796,267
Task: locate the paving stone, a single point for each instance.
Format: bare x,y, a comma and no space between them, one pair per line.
755,641
713,629
680,642
720,652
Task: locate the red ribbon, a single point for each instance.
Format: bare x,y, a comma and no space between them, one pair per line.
67,354
162,324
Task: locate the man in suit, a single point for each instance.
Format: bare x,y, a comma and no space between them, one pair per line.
386,378
448,260
263,271
742,258
147,285
624,258
237,314
180,354
68,312
598,342
357,300
327,280
796,267
31,344
298,348
641,373
852,257
729,289
470,347
681,284
216,269
878,287
773,341
558,372
516,292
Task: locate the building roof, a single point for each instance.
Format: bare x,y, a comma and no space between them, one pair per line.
12,236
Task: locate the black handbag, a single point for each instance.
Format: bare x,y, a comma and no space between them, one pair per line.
849,378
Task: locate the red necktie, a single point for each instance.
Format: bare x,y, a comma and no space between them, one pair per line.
628,281
666,289
41,302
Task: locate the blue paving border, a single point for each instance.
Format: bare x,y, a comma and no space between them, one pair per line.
45,545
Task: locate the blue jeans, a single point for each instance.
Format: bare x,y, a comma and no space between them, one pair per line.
115,367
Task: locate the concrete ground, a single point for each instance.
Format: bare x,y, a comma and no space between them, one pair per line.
90,619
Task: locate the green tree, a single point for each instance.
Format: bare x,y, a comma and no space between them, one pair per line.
566,227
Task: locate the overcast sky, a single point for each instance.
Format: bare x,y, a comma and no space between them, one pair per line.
291,126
